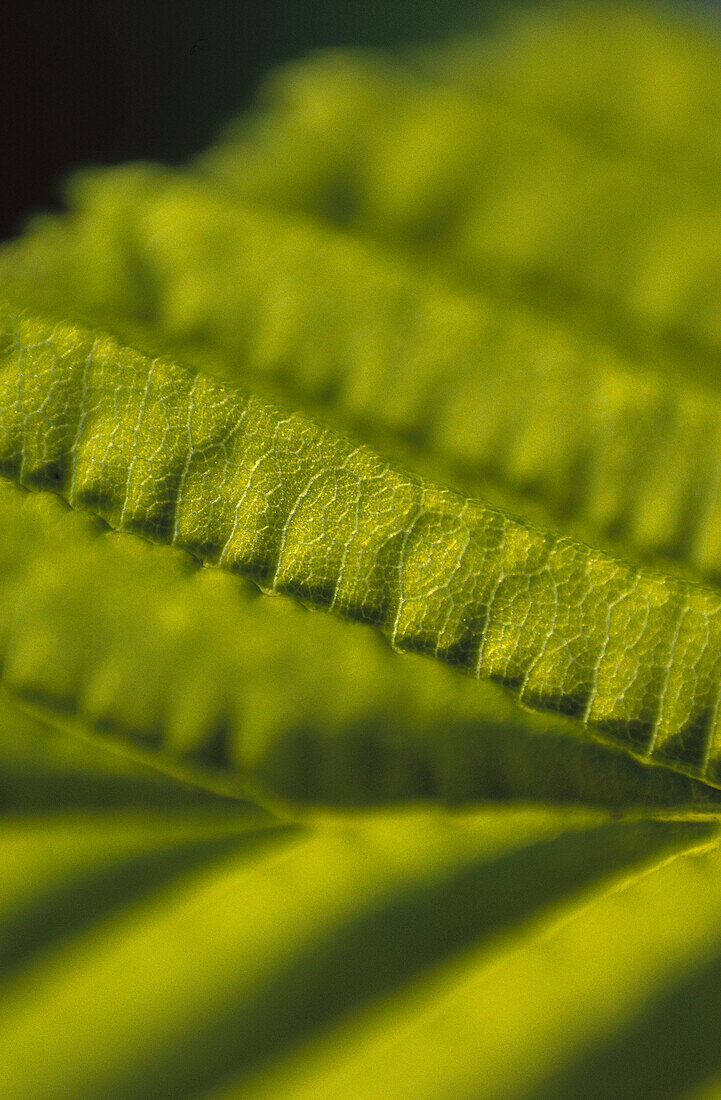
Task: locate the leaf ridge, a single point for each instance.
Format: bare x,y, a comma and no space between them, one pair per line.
585,233
478,384
478,589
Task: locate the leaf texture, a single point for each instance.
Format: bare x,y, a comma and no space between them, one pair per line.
146,648
233,940
429,342
495,193
460,384
181,458
658,70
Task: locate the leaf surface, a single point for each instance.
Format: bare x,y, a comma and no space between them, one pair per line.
224,958
463,386
181,458
620,244
148,649
428,344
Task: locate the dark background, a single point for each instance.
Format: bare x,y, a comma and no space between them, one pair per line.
107,81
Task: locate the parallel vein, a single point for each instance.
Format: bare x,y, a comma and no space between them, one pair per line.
304,511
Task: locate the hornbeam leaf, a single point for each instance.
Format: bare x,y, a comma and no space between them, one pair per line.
182,458
42,768
600,996
530,416
658,69
190,664
210,975
313,364
498,195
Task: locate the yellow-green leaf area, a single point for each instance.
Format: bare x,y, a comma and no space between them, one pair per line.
360,623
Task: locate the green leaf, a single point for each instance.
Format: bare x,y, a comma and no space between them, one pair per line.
458,385
42,769
427,345
164,955
600,995
488,187
150,651
189,461
659,75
